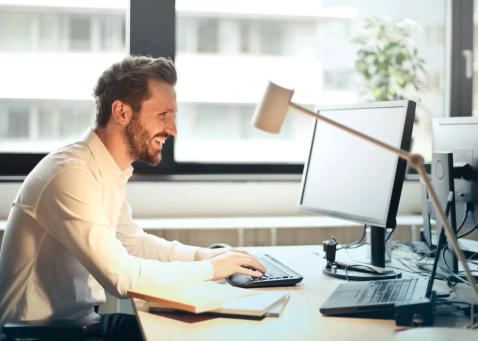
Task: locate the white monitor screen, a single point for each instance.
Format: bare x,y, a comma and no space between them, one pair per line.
348,177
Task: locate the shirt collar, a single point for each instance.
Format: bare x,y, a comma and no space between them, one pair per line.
106,162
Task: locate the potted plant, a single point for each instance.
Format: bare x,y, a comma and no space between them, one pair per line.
388,60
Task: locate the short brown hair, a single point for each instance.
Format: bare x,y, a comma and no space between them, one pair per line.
128,81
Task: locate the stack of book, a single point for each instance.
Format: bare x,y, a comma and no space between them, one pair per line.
211,298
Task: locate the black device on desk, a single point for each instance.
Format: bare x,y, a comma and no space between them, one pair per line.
277,274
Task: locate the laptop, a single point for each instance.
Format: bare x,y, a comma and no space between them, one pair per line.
377,299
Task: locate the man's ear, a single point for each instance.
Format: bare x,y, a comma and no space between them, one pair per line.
121,112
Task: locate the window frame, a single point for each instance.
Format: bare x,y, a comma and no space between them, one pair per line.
460,16
150,30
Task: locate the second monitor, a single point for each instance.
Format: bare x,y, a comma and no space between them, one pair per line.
457,139
349,178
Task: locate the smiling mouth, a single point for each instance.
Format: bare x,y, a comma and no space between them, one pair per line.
159,141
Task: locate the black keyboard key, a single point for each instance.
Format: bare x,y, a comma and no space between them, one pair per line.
403,291
376,297
411,289
385,296
369,294
395,292
381,290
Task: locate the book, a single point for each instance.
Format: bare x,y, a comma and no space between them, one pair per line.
258,304
195,297
277,308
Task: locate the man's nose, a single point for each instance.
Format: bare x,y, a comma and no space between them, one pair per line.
171,128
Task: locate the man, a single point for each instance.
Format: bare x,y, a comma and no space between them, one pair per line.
70,232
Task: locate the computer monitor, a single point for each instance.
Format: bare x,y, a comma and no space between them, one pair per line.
349,178
455,152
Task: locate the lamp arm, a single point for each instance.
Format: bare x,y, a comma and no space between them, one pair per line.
415,161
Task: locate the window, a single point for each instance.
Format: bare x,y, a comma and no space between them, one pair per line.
17,122
307,46
112,33
49,29
80,32
207,35
225,54
49,62
475,60
15,31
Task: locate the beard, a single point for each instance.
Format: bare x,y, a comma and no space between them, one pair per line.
138,142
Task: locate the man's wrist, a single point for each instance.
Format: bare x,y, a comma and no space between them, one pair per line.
197,254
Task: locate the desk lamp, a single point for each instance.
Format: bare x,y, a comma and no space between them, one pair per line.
270,114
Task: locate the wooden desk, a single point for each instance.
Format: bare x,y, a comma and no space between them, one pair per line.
301,319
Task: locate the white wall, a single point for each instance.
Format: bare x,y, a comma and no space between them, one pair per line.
216,199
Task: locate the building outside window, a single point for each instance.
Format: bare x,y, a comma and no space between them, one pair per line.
226,54
51,54
50,58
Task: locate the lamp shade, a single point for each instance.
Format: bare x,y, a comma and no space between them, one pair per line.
270,112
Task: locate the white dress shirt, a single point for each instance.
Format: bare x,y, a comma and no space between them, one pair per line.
70,234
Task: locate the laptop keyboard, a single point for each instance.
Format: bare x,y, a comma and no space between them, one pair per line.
395,290
277,274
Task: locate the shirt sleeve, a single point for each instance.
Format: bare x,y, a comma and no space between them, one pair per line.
145,245
71,207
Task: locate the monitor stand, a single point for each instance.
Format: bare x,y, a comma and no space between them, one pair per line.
362,271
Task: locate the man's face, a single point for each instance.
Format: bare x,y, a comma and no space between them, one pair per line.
149,129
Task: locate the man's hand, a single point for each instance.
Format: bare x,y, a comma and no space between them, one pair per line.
204,253
227,262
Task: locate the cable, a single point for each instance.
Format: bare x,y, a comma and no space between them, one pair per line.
438,276
470,259
345,248
405,268
427,255
463,221
414,266
390,234
439,251
467,232
472,256
356,243
355,266
403,253
422,271
460,272
450,271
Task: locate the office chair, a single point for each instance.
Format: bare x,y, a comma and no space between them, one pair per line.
51,330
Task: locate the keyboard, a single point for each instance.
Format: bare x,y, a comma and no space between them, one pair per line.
277,274
388,291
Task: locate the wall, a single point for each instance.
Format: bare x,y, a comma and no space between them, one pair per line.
216,199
